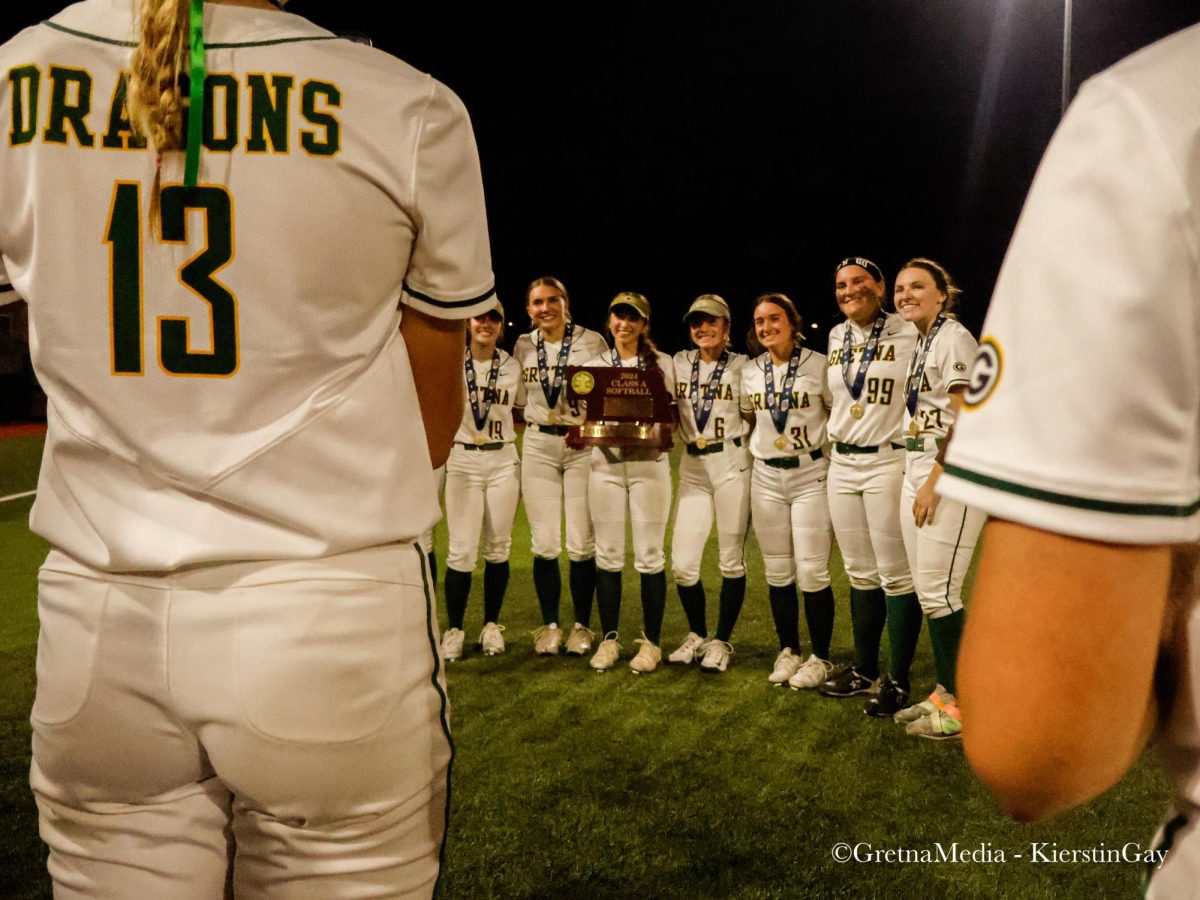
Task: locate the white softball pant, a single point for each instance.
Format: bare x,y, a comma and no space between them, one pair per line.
482,490
791,522
639,490
425,541
288,718
554,478
939,552
864,504
714,485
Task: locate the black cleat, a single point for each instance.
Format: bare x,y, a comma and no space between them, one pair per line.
890,700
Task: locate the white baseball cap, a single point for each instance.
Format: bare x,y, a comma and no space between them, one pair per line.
709,305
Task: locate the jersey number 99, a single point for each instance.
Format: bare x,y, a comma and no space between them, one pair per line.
124,238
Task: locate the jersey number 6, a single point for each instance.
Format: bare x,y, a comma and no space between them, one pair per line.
124,237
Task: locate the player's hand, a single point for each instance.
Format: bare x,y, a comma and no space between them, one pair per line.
926,501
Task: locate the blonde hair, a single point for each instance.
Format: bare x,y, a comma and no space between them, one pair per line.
154,97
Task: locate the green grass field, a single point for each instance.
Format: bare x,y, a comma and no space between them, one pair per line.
570,783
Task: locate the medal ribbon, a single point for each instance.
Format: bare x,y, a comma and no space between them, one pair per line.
701,409
616,359
856,388
779,413
480,409
914,383
550,391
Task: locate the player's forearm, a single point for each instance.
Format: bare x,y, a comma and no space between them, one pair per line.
1049,724
435,352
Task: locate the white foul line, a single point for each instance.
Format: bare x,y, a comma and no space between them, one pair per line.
17,496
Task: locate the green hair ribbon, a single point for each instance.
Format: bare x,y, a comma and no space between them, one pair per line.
197,74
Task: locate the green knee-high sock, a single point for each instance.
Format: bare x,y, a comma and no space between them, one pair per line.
904,630
654,604
945,634
868,614
608,599
495,585
547,582
582,579
692,598
785,610
733,594
457,589
818,614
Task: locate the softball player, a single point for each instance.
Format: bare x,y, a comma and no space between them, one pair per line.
483,484
868,359
633,484
785,397
554,478
1079,434
938,537
714,480
237,635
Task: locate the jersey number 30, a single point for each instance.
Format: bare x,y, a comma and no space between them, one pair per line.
124,238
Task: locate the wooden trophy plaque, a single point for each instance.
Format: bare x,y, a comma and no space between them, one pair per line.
629,408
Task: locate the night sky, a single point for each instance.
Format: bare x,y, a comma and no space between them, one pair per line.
743,149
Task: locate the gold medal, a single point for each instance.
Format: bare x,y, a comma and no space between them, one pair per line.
857,411
913,429
701,443
554,418
480,439
781,442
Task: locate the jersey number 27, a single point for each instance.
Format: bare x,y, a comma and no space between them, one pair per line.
124,238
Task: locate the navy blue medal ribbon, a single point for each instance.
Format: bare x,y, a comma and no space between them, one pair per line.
616,359
856,387
779,412
552,391
480,407
702,408
914,382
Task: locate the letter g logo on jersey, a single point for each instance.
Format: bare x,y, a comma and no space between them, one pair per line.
985,374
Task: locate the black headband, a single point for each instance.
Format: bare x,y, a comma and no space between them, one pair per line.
875,271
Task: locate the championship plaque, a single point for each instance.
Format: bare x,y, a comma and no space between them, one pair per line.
623,407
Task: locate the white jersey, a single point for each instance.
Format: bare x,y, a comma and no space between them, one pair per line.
724,420
585,345
1083,410
882,397
805,431
229,383
510,392
947,366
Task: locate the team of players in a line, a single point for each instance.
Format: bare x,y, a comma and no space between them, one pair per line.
805,445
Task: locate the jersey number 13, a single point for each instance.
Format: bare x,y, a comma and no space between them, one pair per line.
124,238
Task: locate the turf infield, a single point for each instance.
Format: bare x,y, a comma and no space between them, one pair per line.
674,784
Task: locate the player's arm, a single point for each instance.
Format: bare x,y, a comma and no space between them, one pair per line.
925,502
435,351
1056,669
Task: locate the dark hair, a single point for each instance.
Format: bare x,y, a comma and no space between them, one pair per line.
941,279
784,302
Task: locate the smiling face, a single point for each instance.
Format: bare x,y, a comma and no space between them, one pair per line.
773,328
859,295
626,325
709,333
485,330
917,296
547,308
